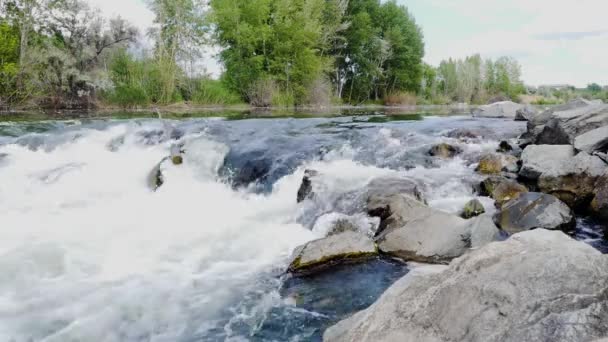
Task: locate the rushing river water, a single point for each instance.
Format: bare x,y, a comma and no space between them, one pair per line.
89,253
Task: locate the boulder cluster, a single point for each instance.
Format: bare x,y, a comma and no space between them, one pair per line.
512,276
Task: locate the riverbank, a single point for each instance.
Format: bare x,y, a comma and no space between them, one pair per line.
183,111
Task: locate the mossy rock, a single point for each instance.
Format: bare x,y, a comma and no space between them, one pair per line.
177,159
490,164
343,248
472,209
444,151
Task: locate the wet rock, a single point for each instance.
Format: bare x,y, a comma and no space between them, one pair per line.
342,248
247,167
504,147
501,189
155,178
341,226
537,159
469,134
472,208
599,205
493,164
533,210
503,109
531,287
573,181
445,151
305,190
490,164
526,113
593,141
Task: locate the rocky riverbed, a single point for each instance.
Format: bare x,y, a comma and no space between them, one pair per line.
367,227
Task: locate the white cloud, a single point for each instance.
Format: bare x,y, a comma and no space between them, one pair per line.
556,41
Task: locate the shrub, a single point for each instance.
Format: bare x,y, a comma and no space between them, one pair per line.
319,94
212,92
262,93
400,99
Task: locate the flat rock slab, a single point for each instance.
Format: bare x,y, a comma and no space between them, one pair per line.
533,210
345,247
593,141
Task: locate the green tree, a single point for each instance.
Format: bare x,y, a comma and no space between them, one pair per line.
9,61
594,88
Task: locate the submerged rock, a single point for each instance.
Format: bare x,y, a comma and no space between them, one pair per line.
593,141
472,208
501,189
533,210
538,159
318,255
305,190
536,286
504,147
468,134
445,151
573,181
503,109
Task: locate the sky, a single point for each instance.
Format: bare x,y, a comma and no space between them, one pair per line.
555,41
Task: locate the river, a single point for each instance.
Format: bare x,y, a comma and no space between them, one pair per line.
88,252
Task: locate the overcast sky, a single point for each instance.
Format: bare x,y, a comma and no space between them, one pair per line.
556,41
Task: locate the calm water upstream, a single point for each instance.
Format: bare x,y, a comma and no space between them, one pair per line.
89,253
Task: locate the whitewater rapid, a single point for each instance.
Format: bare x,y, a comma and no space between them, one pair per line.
88,252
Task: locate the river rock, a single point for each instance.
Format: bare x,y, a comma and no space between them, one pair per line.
536,286
444,151
472,208
305,190
504,147
533,210
503,109
416,232
593,141
537,159
155,178
501,189
395,210
526,113
573,181
435,237
469,134
493,164
600,201
318,255
565,125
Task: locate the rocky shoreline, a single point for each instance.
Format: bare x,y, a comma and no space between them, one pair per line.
511,276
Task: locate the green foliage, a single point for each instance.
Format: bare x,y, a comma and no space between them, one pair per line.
213,92
594,88
383,51
472,80
9,61
274,40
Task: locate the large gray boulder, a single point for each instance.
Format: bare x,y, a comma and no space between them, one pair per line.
503,109
593,141
382,202
416,232
573,181
537,159
536,286
533,210
318,255
563,126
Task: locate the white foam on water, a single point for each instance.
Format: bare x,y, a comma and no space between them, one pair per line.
89,253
